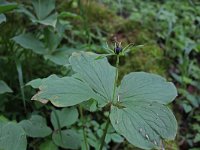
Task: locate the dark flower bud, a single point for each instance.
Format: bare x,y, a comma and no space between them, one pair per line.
118,49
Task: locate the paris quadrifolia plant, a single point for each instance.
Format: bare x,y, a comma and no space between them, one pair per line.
137,106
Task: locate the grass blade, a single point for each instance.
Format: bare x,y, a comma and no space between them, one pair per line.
21,82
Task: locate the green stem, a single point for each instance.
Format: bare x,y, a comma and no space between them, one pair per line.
116,77
83,128
105,132
58,123
108,119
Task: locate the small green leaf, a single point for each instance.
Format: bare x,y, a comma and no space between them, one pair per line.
103,56
44,12
143,123
130,47
108,138
5,7
107,49
63,92
127,48
90,105
70,139
36,126
99,74
3,120
4,88
187,108
66,117
51,20
48,145
117,138
148,87
52,39
2,18
67,14
197,138
27,41
12,137
26,12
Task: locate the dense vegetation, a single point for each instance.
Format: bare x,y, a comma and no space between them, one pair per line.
37,38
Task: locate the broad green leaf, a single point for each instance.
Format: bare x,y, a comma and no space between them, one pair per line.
146,87
48,145
99,74
63,92
139,114
58,57
64,118
43,8
56,54
35,83
2,18
5,7
44,12
4,88
143,123
29,42
36,126
69,139
12,137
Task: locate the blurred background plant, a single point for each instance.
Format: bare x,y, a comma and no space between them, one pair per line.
38,36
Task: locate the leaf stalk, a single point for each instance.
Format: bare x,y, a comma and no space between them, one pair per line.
83,128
